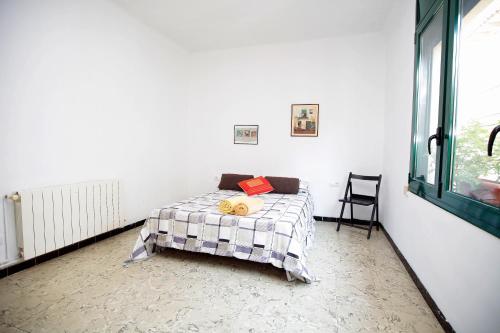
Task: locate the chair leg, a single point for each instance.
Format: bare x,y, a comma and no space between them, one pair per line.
371,222
378,222
352,216
341,215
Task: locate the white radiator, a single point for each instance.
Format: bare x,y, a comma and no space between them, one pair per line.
54,217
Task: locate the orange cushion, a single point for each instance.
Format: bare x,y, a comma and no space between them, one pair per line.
256,186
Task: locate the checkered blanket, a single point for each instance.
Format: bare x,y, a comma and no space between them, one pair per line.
278,234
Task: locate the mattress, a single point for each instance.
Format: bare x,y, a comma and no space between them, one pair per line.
280,234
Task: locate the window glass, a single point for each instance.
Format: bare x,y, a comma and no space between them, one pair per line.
477,112
428,82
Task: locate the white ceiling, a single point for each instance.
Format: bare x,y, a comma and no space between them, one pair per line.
199,25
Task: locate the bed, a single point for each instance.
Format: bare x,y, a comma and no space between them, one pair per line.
280,234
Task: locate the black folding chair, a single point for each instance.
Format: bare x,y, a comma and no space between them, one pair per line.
360,199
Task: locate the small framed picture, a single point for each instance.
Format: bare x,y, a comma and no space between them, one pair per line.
305,120
246,134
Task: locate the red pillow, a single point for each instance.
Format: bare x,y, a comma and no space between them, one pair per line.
256,186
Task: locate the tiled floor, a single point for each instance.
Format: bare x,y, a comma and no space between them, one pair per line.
363,288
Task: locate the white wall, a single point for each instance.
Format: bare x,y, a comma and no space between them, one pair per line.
87,92
458,263
257,85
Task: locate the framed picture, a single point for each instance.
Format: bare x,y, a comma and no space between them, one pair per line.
305,120
246,134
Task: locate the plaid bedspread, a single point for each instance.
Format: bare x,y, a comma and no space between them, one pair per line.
279,234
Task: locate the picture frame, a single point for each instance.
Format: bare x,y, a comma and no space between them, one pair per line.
246,134
304,120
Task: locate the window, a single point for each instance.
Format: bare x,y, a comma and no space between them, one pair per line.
456,109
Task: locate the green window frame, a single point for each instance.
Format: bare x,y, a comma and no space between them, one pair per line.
437,190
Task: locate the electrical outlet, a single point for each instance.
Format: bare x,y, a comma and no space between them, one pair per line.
405,190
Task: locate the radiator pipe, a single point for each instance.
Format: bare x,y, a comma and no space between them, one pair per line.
13,197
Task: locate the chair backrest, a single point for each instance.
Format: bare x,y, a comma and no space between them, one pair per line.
377,179
369,178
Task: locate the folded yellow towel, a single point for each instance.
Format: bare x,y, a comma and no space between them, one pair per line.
248,206
227,206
